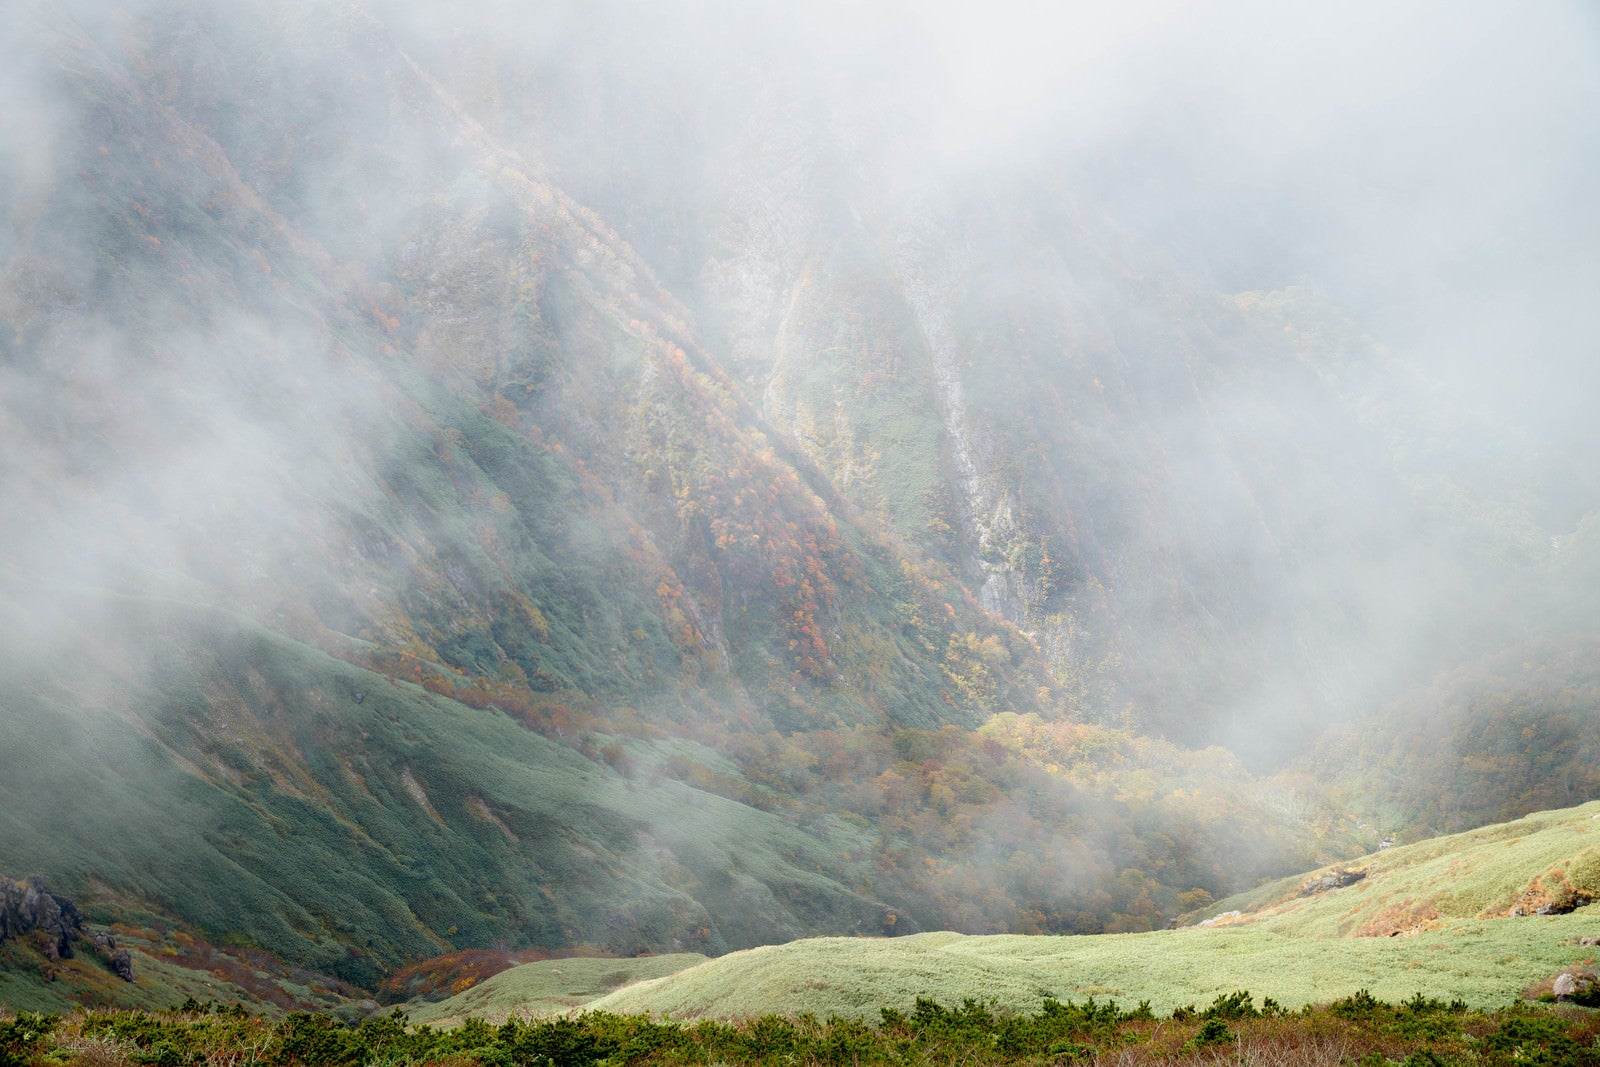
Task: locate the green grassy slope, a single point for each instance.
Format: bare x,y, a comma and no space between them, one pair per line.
1445,901
548,987
272,795
169,969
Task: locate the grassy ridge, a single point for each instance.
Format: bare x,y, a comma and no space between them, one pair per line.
1431,917
1480,873
1482,962
548,987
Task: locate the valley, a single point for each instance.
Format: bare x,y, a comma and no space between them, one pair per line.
493,514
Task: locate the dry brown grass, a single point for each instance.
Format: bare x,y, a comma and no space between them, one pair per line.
1257,1043
1551,893
1402,919
94,1052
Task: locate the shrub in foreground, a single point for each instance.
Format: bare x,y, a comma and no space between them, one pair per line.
1358,1029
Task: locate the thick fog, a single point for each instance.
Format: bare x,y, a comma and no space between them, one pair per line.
1427,170
1423,174
1257,346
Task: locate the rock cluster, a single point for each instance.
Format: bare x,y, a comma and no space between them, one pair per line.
1538,900
121,962
29,909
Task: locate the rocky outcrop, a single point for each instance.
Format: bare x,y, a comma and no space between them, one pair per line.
1559,906
1332,880
28,910
27,907
120,960
1224,918
1552,893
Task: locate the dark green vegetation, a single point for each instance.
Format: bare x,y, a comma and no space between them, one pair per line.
398,561
1358,1029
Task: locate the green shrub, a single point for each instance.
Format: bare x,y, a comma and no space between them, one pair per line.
1212,1032
23,1036
1236,1005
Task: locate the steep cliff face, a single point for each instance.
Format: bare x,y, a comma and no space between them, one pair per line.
504,449
1098,446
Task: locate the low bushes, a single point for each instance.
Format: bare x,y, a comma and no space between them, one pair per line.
1358,1029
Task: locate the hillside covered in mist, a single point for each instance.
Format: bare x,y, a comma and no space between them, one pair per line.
681,480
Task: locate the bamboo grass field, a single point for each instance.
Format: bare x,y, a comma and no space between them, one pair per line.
1431,917
548,987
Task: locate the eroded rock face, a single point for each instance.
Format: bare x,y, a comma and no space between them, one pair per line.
1541,900
119,958
28,908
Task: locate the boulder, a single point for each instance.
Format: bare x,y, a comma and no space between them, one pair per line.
1575,988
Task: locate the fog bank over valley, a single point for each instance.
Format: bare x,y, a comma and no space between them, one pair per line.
617,478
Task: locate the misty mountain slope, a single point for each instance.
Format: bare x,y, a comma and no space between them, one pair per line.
1256,516
288,440
1514,733
508,363
207,408
1195,500
265,792
853,382
747,538
1157,480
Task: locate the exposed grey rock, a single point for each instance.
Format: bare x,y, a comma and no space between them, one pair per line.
1562,907
1218,918
119,958
28,908
1579,988
1558,906
1332,880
